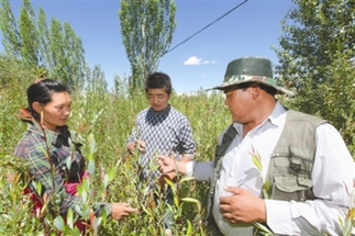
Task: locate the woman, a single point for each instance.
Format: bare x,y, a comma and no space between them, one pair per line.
47,144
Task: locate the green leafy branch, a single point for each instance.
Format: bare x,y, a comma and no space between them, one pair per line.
257,160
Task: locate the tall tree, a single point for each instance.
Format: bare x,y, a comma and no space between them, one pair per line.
67,54
10,34
55,52
147,27
319,36
29,42
74,55
45,58
97,81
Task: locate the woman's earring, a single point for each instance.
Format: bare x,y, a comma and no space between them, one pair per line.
42,118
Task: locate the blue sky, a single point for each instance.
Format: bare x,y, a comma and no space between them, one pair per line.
250,30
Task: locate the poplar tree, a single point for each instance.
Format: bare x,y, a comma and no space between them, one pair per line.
147,27
96,81
74,56
29,42
56,48
54,52
10,34
45,56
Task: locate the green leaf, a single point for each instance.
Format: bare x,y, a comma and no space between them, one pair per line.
84,195
187,178
146,210
59,223
78,210
257,163
68,162
262,228
189,228
106,181
92,145
188,199
70,220
171,184
267,186
44,163
176,202
91,167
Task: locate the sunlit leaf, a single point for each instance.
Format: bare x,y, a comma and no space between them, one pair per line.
91,167
106,181
262,228
146,210
92,144
70,220
170,183
257,163
59,223
188,199
187,178
189,228
68,162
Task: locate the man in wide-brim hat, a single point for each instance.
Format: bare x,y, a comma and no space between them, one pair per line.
274,168
251,69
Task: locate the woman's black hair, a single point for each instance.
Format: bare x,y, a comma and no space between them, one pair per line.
42,92
158,80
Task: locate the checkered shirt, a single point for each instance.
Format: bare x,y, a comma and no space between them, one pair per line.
164,132
32,148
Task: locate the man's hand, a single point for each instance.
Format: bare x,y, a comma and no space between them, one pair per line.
131,147
121,209
242,206
166,164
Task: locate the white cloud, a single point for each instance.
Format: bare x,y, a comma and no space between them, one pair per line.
193,61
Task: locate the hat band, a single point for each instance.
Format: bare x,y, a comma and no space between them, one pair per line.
245,78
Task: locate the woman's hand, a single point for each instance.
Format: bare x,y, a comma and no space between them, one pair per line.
121,209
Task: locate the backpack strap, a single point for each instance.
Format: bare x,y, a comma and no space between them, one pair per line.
221,149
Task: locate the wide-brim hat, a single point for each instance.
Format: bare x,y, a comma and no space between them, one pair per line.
251,69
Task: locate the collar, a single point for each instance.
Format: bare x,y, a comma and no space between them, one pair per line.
162,112
35,128
277,115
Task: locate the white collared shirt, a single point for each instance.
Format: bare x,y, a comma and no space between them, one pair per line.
333,169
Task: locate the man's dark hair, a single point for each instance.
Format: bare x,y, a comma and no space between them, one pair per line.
158,80
268,89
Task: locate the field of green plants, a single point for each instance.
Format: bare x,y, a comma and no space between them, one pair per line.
104,122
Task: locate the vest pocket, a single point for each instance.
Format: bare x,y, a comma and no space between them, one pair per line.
289,188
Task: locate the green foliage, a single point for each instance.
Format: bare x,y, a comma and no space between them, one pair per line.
9,30
13,72
29,44
316,55
102,122
55,52
147,27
